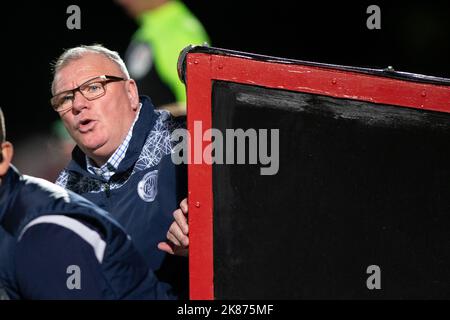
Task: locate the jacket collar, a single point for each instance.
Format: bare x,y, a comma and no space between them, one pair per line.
142,127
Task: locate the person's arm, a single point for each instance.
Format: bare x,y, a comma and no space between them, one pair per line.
62,258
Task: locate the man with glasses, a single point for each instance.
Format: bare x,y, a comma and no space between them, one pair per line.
55,244
122,161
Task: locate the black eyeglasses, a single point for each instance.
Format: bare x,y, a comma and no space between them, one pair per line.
91,90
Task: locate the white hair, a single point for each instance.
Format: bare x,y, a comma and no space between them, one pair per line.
80,51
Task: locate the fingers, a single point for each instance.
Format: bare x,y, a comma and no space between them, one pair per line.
184,206
181,221
170,249
177,236
164,246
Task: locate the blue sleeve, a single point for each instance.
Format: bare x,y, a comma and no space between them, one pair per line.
53,262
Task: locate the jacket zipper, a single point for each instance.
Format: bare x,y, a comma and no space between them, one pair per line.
107,190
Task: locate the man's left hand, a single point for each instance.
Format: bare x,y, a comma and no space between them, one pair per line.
177,236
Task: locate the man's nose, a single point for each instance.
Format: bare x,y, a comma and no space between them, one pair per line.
79,102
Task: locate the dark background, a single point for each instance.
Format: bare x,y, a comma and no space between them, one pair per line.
414,37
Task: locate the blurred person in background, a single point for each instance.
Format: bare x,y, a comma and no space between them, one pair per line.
32,154
165,28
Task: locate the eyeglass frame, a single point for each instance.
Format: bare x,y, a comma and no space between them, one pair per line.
104,79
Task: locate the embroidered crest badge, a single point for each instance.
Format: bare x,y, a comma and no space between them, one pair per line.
148,187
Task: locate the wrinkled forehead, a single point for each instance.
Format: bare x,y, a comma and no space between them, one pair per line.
77,71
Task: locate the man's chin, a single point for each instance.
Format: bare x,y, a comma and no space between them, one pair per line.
95,149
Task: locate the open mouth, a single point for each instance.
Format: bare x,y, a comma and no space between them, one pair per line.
86,125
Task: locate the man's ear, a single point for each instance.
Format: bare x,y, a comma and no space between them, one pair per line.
132,93
7,152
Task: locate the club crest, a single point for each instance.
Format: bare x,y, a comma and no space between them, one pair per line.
148,187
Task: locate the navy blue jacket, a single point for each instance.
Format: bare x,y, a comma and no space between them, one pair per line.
143,193
55,244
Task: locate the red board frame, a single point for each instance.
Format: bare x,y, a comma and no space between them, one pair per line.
202,69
